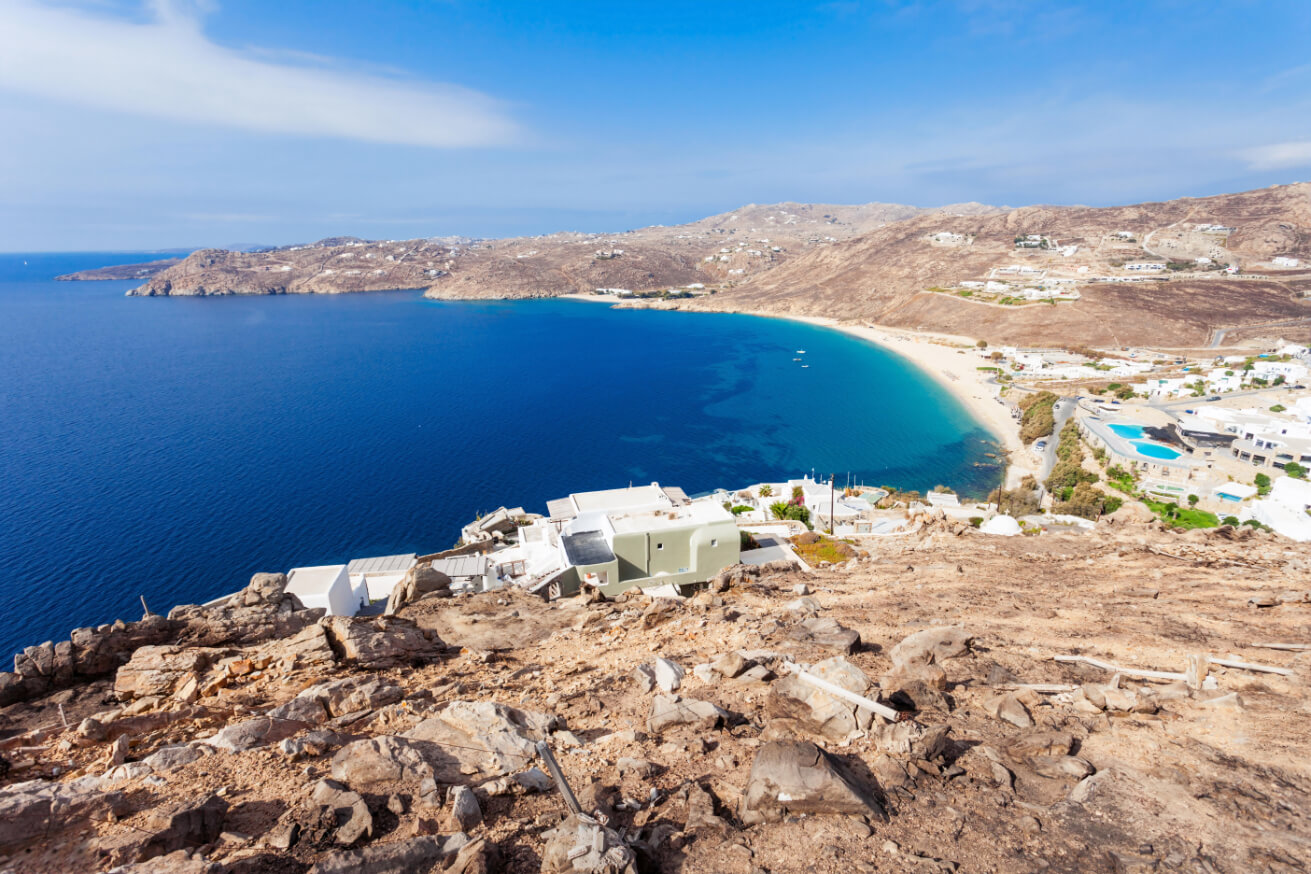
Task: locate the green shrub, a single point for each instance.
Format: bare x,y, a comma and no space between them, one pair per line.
1231,521
740,509
1295,470
976,521
1262,483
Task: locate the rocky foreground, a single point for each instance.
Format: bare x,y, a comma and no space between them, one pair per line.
258,737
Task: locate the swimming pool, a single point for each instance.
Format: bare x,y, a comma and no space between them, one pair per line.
1133,432
1154,450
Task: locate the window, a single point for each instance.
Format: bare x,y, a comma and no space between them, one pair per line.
660,546
714,543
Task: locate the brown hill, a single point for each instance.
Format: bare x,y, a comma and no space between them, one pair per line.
896,265
884,275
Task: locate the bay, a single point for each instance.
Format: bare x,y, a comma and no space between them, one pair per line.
168,448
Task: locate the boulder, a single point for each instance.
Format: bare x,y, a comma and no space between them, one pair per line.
253,733
419,581
668,711
351,817
185,824
264,590
581,845
668,675
465,812
339,697
827,632
789,777
645,677
39,810
931,646
305,648
817,711
421,855
380,642
384,761
160,670
731,664
171,758
1008,708
484,738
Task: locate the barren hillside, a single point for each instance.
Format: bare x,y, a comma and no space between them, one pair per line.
254,737
884,276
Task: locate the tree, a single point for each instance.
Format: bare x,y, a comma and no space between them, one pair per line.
1192,500
1262,483
1295,470
766,491
1231,521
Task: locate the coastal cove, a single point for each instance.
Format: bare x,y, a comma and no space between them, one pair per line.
168,448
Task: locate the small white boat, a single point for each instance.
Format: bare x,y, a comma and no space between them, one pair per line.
796,359
801,351
804,366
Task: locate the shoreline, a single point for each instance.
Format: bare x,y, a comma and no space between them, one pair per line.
936,356
933,354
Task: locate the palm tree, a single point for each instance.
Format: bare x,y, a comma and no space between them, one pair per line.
766,491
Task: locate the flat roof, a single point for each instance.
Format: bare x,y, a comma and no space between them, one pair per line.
588,548
697,513
617,500
461,565
382,564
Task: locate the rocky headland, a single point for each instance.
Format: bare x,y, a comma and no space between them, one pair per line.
256,736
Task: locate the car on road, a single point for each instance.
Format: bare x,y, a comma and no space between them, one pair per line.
1214,398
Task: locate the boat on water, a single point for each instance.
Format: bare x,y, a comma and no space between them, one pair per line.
801,351
796,359
804,366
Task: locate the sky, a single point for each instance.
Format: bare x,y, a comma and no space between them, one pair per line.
152,124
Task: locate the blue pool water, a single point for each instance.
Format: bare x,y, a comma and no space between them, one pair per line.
1128,431
1155,450
171,447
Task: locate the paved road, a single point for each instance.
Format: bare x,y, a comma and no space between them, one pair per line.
1062,410
1198,402
1220,332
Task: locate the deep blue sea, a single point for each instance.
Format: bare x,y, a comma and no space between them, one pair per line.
170,447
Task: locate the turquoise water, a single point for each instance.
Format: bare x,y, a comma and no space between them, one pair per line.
172,447
1155,450
1128,431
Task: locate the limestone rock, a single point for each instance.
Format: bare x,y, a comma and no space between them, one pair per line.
668,675
731,664
827,632
351,815
160,670
668,711
384,761
581,845
1008,708
414,856
465,813
379,642
184,824
931,646
418,582
796,777
817,711
172,757
253,733
40,809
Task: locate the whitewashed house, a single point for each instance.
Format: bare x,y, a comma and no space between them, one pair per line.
327,586
372,579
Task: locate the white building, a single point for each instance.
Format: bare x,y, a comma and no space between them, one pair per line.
1145,266
1285,509
1283,261
327,586
372,579
468,573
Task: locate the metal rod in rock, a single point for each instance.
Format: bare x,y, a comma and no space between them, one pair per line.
143,605
544,750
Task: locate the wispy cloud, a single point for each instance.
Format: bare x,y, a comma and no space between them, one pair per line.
167,68
1279,156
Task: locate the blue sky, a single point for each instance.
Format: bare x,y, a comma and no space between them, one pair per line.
128,124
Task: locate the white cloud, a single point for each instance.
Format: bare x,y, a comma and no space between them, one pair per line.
1279,156
167,68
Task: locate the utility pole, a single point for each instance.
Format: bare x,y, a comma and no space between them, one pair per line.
832,525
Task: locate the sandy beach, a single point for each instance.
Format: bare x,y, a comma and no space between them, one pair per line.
940,356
